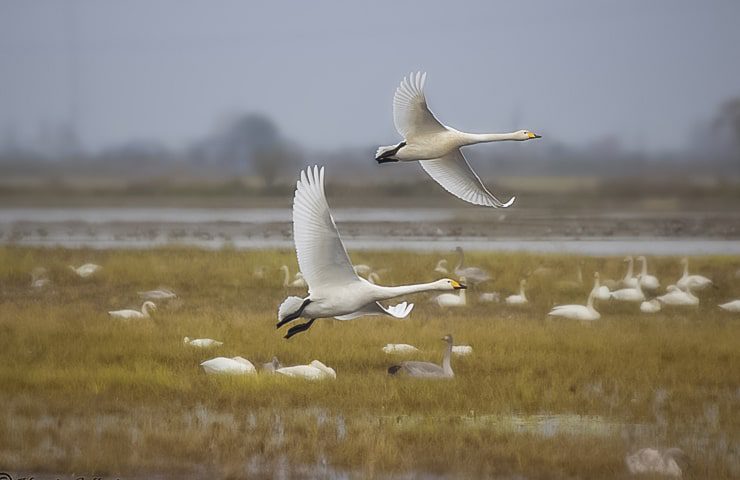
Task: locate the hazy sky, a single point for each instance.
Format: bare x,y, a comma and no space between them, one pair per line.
643,71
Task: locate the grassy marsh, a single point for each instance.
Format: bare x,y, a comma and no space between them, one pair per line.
83,393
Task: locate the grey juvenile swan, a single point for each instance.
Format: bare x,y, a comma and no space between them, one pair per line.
427,369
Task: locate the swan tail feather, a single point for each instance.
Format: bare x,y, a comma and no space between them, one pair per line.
386,153
290,305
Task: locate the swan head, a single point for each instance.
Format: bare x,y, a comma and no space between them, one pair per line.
596,275
149,305
447,338
628,258
522,135
186,340
522,282
641,258
684,261
448,284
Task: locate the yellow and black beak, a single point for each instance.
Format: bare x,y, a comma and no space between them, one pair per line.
533,135
458,285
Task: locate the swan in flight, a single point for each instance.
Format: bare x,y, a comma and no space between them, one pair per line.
296,282
334,289
145,312
399,348
647,281
201,342
462,350
313,371
650,306
474,275
577,312
160,294
649,460
693,282
437,147
630,294
427,369
678,298
229,366
733,306
520,299
86,270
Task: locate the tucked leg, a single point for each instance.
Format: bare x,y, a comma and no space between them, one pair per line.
299,328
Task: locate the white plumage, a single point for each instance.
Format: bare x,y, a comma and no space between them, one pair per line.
86,270
202,342
520,299
399,348
649,460
694,283
145,312
733,306
159,294
650,306
578,312
228,366
462,350
313,371
678,298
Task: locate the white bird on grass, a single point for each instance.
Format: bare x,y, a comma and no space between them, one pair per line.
334,289
427,369
313,371
441,267
86,270
733,306
678,298
692,282
489,297
228,366
296,282
201,342
128,314
39,278
159,294
577,312
399,348
650,306
630,294
520,299
601,292
647,281
629,280
462,350
437,147
649,460
474,275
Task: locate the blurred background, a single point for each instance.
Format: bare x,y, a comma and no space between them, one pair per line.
143,123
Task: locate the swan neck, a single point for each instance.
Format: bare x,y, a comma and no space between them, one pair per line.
473,138
460,259
446,360
685,269
630,269
145,310
386,293
644,267
590,302
286,276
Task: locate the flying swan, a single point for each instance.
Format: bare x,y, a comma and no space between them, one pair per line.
437,147
334,289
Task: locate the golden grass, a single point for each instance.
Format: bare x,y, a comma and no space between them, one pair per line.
83,393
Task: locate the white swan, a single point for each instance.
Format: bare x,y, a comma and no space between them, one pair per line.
678,298
647,281
228,366
630,294
489,297
362,269
462,350
296,282
520,299
733,306
601,292
399,348
334,289
442,267
650,306
39,278
400,311
427,369
577,312
201,342
313,371
160,294
437,147
85,270
373,278
474,275
145,312
452,300
629,280
649,460
692,282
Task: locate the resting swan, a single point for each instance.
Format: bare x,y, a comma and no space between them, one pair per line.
296,282
161,294
733,306
474,275
313,371
630,294
647,282
334,289
692,282
85,270
228,366
437,147
678,298
649,460
427,369
201,342
146,309
577,312
399,348
442,267
520,299
629,280
601,292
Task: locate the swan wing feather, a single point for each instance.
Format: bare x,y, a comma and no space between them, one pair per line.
402,310
410,112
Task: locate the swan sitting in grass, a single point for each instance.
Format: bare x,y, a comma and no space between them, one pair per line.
650,306
39,278
145,312
733,306
601,292
399,348
272,366
692,282
630,294
577,312
647,281
649,460
202,342
427,369
313,371
228,366
629,280
474,275
297,282
334,289
437,147
160,294
489,297
86,270
441,267
462,350
520,299
678,298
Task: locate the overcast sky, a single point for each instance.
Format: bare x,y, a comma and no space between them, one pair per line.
642,71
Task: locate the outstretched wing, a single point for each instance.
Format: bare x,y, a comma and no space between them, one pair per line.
410,112
455,175
322,257
401,310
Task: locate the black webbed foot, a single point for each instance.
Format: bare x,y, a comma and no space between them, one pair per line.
299,328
